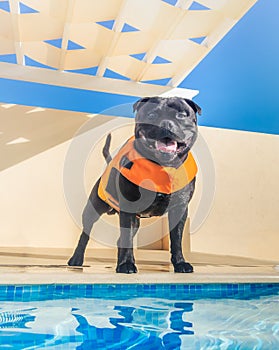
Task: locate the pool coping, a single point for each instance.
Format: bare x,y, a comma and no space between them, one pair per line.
25,266
81,277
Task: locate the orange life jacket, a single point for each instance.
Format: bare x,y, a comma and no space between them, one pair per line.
145,173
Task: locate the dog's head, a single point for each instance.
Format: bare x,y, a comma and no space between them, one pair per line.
166,128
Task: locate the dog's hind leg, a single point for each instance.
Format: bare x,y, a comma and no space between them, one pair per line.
129,225
94,208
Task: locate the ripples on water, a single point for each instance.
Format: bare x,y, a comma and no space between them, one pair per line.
141,323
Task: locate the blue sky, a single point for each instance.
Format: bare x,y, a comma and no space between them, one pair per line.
238,80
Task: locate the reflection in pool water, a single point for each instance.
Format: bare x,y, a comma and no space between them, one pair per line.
141,323
95,324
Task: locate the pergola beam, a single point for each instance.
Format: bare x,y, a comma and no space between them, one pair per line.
86,82
66,33
117,27
173,34
14,11
210,42
151,54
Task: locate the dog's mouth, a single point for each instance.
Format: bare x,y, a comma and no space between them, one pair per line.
166,145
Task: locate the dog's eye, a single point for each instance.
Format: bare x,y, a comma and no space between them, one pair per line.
181,115
151,115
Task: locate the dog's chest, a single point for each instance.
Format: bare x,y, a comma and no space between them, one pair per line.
132,182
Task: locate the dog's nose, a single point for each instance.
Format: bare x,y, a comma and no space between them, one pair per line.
167,124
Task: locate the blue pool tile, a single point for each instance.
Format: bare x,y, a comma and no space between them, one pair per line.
124,291
66,288
174,301
89,288
59,289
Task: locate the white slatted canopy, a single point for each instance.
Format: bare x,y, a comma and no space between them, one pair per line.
138,40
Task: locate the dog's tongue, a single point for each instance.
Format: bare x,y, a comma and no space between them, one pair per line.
166,145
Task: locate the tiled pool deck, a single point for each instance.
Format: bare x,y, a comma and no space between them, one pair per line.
49,268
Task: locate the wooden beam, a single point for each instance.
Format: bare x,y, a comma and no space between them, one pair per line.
151,54
66,33
14,11
211,41
117,27
87,82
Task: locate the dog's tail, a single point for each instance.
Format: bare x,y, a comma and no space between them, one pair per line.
106,152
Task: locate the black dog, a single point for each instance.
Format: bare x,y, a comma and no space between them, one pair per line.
153,173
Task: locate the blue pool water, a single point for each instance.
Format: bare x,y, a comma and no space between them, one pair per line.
130,316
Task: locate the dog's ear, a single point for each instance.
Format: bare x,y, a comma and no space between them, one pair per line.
194,106
137,105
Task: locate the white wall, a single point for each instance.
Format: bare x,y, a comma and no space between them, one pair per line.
244,217
243,220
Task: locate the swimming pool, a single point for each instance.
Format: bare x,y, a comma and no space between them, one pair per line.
140,316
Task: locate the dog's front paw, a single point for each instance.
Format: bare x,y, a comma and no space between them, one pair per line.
183,267
127,267
76,260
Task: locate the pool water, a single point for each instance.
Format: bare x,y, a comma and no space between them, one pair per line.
192,316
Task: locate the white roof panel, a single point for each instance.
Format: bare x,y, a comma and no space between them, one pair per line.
78,34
